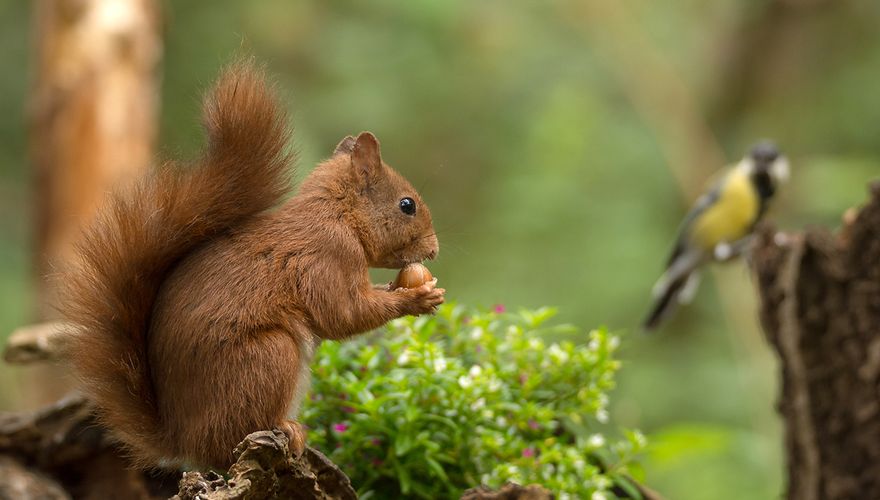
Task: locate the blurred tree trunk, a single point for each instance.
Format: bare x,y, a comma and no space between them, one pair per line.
93,111
820,308
93,116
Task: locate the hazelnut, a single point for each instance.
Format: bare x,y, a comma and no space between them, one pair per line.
412,276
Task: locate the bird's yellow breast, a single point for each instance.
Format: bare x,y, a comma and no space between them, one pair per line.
732,215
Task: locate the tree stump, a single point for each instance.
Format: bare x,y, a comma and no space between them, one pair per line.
62,452
820,310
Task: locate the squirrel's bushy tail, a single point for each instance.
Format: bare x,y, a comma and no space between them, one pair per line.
143,231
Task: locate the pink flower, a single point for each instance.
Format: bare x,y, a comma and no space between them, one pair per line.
529,452
523,378
340,427
466,320
499,308
376,462
533,425
376,441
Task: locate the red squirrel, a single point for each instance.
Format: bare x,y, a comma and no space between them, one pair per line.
200,306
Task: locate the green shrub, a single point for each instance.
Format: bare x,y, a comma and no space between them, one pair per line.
430,406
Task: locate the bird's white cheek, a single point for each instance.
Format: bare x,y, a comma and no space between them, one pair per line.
779,170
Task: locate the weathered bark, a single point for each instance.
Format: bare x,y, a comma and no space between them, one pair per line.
37,343
265,469
62,452
63,448
509,491
21,483
93,113
820,309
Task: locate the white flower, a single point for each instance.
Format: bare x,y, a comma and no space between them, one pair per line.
602,415
534,344
614,342
465,382
557,353
476,405
494,385
597,441
439,364
598,495
475,371
403,358
501,422
476,333
640,438
593,345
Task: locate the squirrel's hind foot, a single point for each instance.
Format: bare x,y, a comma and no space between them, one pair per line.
296,434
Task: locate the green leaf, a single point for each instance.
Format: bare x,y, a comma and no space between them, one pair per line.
403,478
437,468
402,444
627,486
508,395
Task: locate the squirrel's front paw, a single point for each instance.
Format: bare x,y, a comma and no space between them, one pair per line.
423,299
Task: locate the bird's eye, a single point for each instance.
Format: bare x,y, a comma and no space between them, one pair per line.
408,206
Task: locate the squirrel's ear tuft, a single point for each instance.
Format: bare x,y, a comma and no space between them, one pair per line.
365,156
345,146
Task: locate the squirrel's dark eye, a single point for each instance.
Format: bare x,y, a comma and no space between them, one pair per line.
408,206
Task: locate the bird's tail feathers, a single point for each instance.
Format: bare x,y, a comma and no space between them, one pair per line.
667,297
678,285
689,291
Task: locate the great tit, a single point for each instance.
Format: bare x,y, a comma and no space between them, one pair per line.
718,227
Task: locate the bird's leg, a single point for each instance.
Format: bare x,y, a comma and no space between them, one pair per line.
725,251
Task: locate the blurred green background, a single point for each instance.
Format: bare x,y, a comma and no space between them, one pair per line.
545,135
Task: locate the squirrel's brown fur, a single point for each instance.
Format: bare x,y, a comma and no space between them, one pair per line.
199,308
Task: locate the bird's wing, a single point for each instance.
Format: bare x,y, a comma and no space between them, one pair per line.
700,206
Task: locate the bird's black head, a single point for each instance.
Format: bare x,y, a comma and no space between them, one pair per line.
768,168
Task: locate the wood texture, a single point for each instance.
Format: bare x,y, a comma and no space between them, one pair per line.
820,309
92,113
61,452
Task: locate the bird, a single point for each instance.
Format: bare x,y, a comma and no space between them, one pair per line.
718,227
